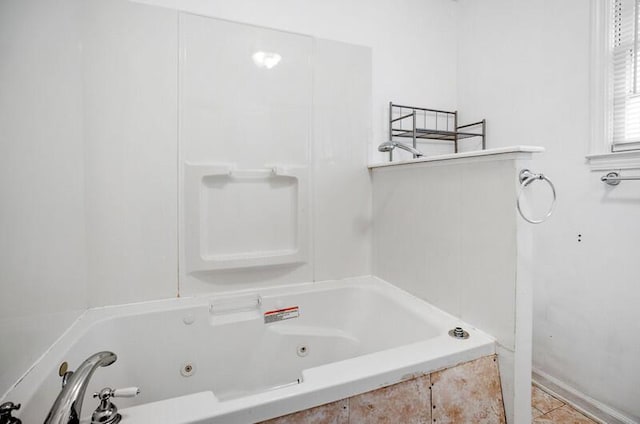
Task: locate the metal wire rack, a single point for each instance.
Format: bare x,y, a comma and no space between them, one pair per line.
420,123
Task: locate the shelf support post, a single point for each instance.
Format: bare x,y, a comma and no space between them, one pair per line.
484,134
415,143
391,129
455,134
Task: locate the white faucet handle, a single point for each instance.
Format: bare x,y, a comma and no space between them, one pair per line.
126,392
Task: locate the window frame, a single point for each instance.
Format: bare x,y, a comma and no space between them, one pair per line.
601,155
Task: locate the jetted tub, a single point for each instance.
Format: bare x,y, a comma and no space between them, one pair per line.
248,356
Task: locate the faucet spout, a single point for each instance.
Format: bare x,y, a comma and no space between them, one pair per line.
68,405
389,146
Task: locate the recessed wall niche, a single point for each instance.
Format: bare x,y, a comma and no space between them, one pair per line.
239,218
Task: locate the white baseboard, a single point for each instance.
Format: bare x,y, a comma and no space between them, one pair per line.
590,407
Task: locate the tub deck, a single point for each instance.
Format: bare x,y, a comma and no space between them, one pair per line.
248,356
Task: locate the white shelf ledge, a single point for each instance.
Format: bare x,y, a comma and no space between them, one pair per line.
464,155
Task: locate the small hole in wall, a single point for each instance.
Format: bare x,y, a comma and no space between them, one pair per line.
188,369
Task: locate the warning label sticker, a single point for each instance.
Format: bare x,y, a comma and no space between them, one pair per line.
281,314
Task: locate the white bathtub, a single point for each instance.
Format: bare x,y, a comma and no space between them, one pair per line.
350,336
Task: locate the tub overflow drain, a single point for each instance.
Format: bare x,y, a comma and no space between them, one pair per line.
458,333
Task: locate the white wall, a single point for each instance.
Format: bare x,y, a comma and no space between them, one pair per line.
342,197
414,42
525,66
90,148
448,232
522,65
130,150
129,81
42,226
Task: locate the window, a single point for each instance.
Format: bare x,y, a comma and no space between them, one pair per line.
615,85
624,75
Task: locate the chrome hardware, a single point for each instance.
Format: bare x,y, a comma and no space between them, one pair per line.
613,178
526,177
458,333
65,378
63,368
107,412
389,146
6,409
68,405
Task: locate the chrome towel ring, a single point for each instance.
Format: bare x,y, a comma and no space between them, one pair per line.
526,177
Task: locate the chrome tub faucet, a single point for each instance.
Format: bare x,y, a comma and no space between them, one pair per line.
389,146
68,405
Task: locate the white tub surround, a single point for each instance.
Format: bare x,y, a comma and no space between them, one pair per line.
342,338
272,160
446,229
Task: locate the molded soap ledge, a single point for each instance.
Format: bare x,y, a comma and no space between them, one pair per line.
498,153
239,218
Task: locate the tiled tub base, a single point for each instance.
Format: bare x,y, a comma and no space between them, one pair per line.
467,393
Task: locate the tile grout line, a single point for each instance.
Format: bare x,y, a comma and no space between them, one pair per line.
431,420
550,411
541,413
546,414
599,416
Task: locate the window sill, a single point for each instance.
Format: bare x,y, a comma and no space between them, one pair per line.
614,161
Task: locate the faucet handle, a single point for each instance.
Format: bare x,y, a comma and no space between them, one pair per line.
107,412
125,392
6,410
8,407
